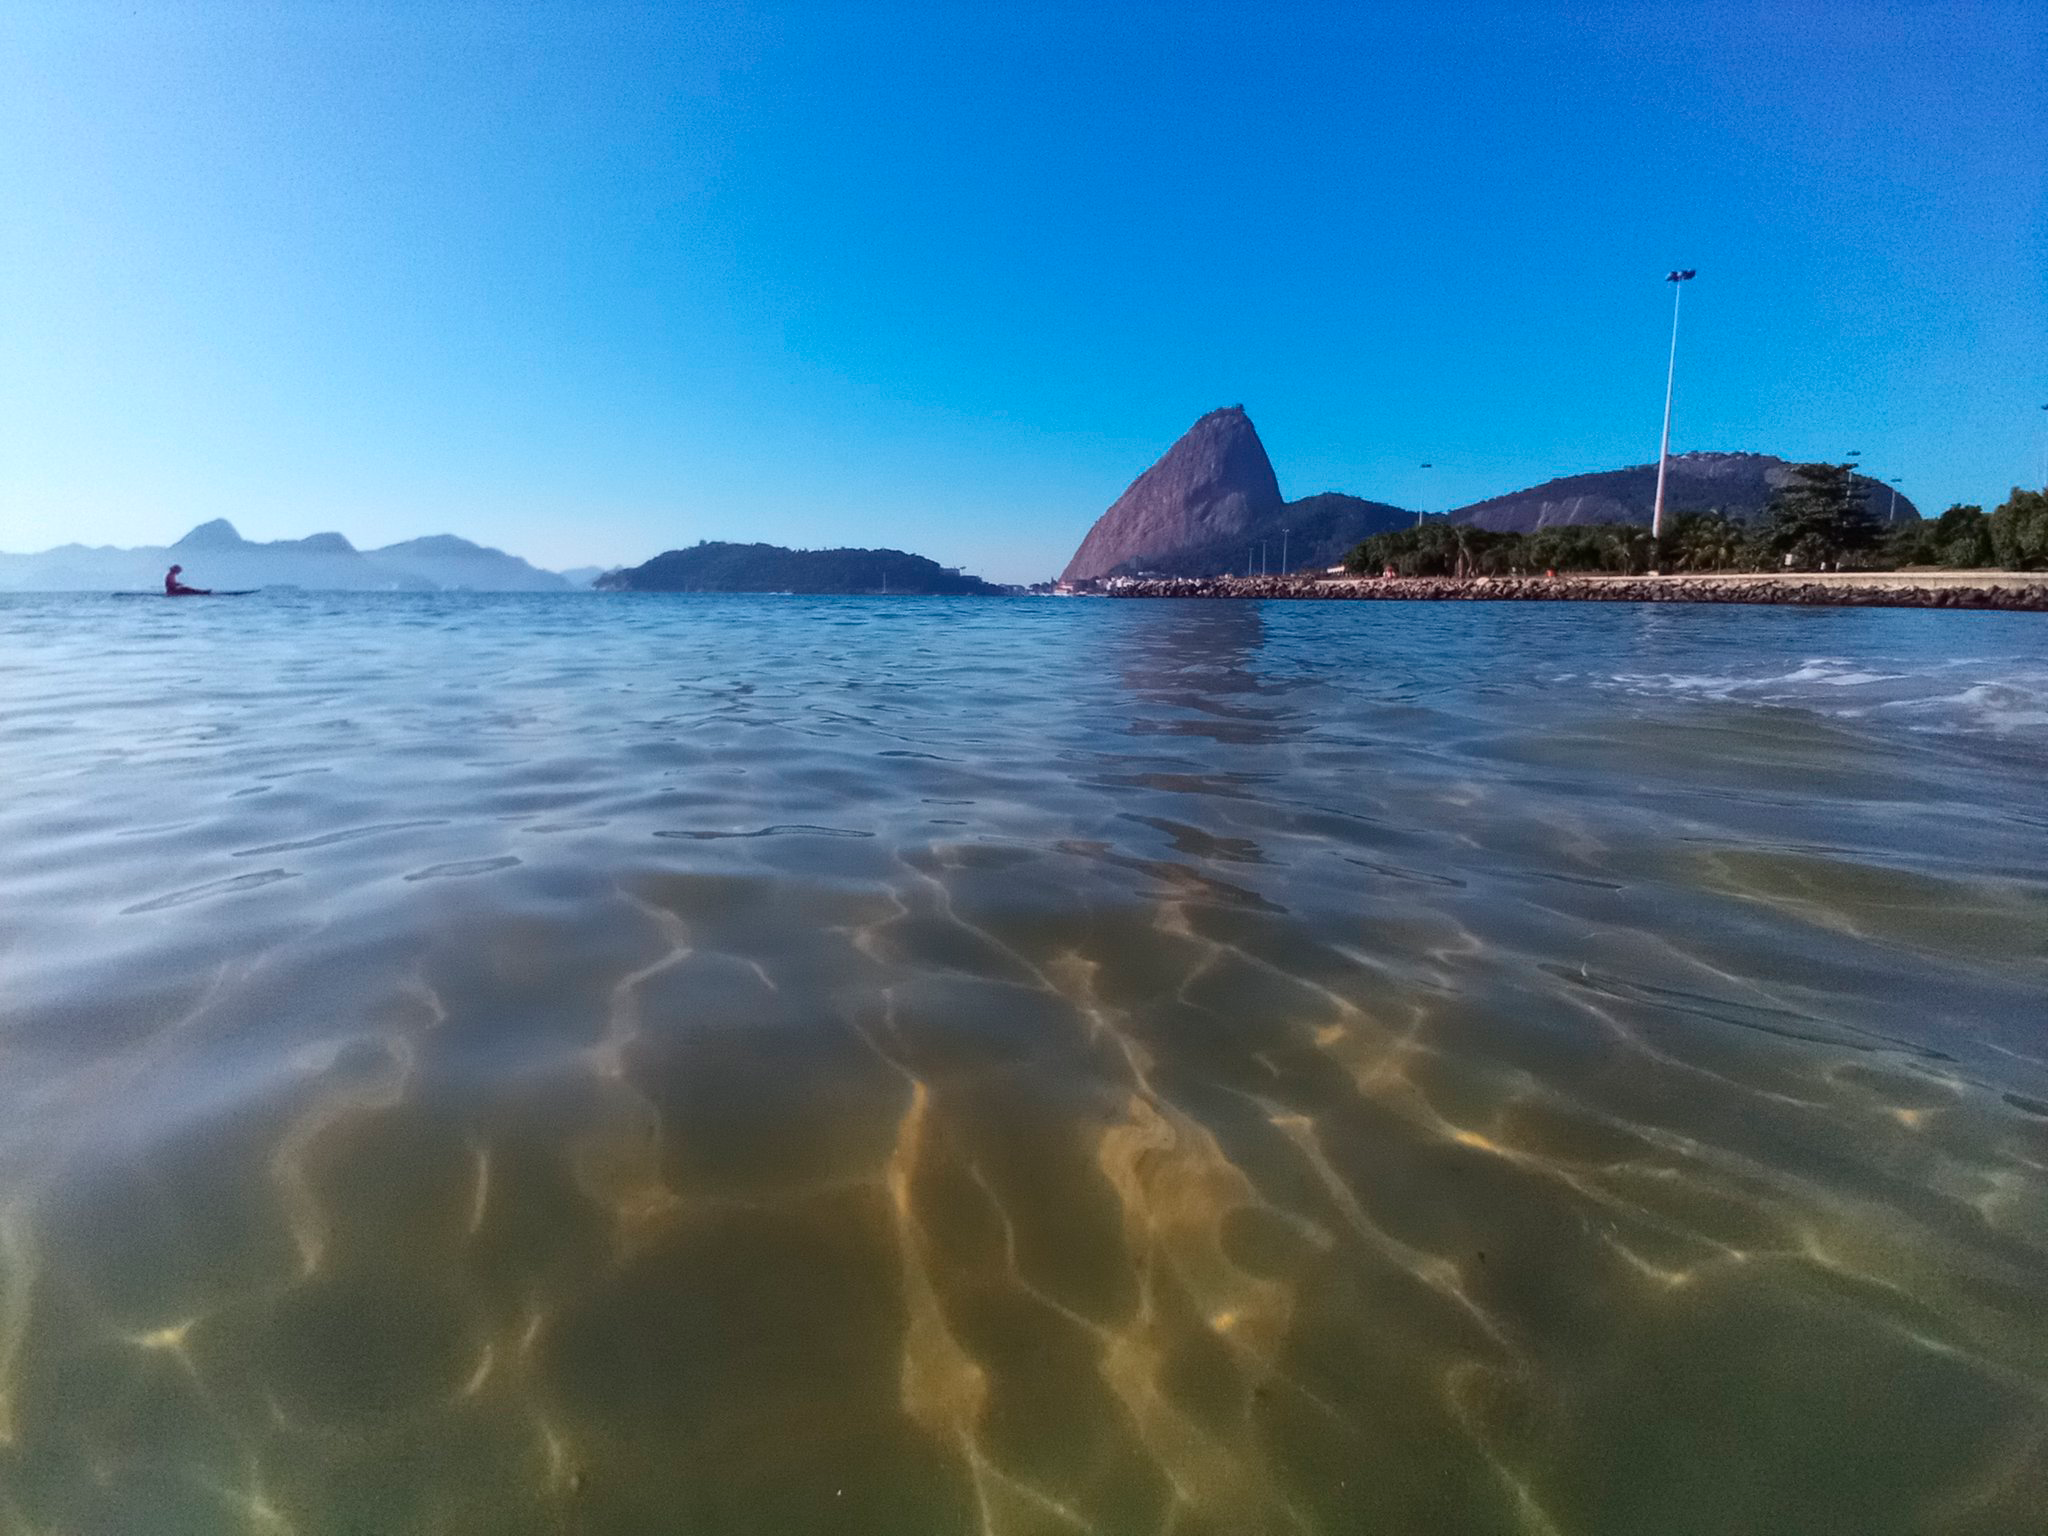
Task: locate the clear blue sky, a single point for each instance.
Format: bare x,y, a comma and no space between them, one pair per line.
588,282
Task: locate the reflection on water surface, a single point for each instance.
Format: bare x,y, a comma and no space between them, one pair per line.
739,1065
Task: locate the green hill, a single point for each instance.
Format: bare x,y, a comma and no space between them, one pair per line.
717,567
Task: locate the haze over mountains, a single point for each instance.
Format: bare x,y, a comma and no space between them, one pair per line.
1211,505
215,555
1212,499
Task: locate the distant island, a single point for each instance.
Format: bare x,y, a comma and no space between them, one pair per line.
720,567
215,555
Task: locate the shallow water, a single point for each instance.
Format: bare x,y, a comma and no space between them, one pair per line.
692,1064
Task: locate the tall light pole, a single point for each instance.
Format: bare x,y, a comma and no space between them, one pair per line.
1892,515
1423,511
2044,451
1678,280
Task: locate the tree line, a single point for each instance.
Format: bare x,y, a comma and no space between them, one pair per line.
1815,521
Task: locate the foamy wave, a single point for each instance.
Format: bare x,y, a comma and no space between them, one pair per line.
2002,707
1958,694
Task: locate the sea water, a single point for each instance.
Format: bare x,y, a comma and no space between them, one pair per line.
644,1063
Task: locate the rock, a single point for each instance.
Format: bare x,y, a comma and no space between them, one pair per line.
1212,502
1211,486
2032,598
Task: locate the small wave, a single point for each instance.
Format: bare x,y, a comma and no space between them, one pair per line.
1836,674
1396,872
1820,669
329,839
1764,1018
1999,707
1969,694
1565,879
463,867
212,888
787,829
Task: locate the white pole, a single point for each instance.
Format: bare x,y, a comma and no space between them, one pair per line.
1283,551
1670,374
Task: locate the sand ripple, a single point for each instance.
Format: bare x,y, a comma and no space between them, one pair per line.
1316,1076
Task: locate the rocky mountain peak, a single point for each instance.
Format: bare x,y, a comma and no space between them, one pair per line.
217,534
1213,484
439,546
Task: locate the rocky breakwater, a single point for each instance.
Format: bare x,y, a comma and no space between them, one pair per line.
1889,591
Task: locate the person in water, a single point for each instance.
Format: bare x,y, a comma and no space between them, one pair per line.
176,588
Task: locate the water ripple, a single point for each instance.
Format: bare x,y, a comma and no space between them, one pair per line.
331,838
211,889
781,829
1326,1069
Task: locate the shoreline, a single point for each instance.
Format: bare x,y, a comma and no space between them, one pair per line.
2005,591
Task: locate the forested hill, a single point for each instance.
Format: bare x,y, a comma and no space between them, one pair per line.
1737,485
717,567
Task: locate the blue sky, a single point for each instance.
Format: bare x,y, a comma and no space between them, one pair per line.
588,282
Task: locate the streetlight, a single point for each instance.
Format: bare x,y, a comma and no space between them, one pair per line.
1678,280
1892,515
1424,511
2044,452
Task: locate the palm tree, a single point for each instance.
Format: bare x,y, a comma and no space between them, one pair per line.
1702,541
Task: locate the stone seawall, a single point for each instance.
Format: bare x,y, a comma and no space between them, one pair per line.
1894,592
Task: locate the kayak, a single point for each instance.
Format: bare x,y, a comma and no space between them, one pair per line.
244,592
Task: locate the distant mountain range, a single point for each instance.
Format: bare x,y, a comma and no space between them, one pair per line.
215,555
712,567
1212,501
1211,505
